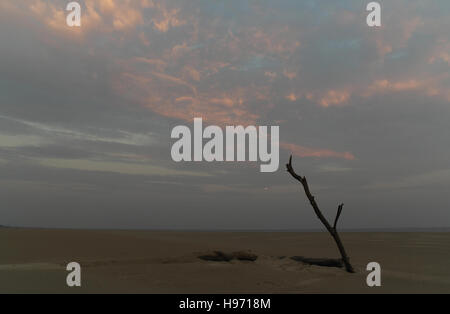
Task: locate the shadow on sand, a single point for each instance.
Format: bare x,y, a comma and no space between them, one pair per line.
326,262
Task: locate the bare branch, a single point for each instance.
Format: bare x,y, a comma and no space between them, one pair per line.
310,197
292,172
338,214
331,230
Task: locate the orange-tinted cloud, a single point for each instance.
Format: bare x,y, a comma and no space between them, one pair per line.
175,98
291,97
179,75
433,86
302,151
102,16
167,18
332,97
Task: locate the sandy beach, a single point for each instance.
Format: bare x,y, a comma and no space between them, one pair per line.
34,261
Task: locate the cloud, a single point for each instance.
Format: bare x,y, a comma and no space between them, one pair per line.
101,15
291,97
330,97
173,97
434,86
413,181
49,133
333,168
144,169
21,140
302,151
167,18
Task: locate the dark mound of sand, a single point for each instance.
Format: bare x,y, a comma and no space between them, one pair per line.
245,256
219,256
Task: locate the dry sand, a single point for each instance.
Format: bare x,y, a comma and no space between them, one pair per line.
33,261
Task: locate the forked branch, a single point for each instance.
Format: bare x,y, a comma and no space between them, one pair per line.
331,230
338,214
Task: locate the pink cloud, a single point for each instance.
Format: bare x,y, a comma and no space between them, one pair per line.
331,97
302,151
432,86
176,98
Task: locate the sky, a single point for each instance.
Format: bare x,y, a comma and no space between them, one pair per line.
86,112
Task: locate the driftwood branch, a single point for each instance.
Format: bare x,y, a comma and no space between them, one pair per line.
338,214
331,230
